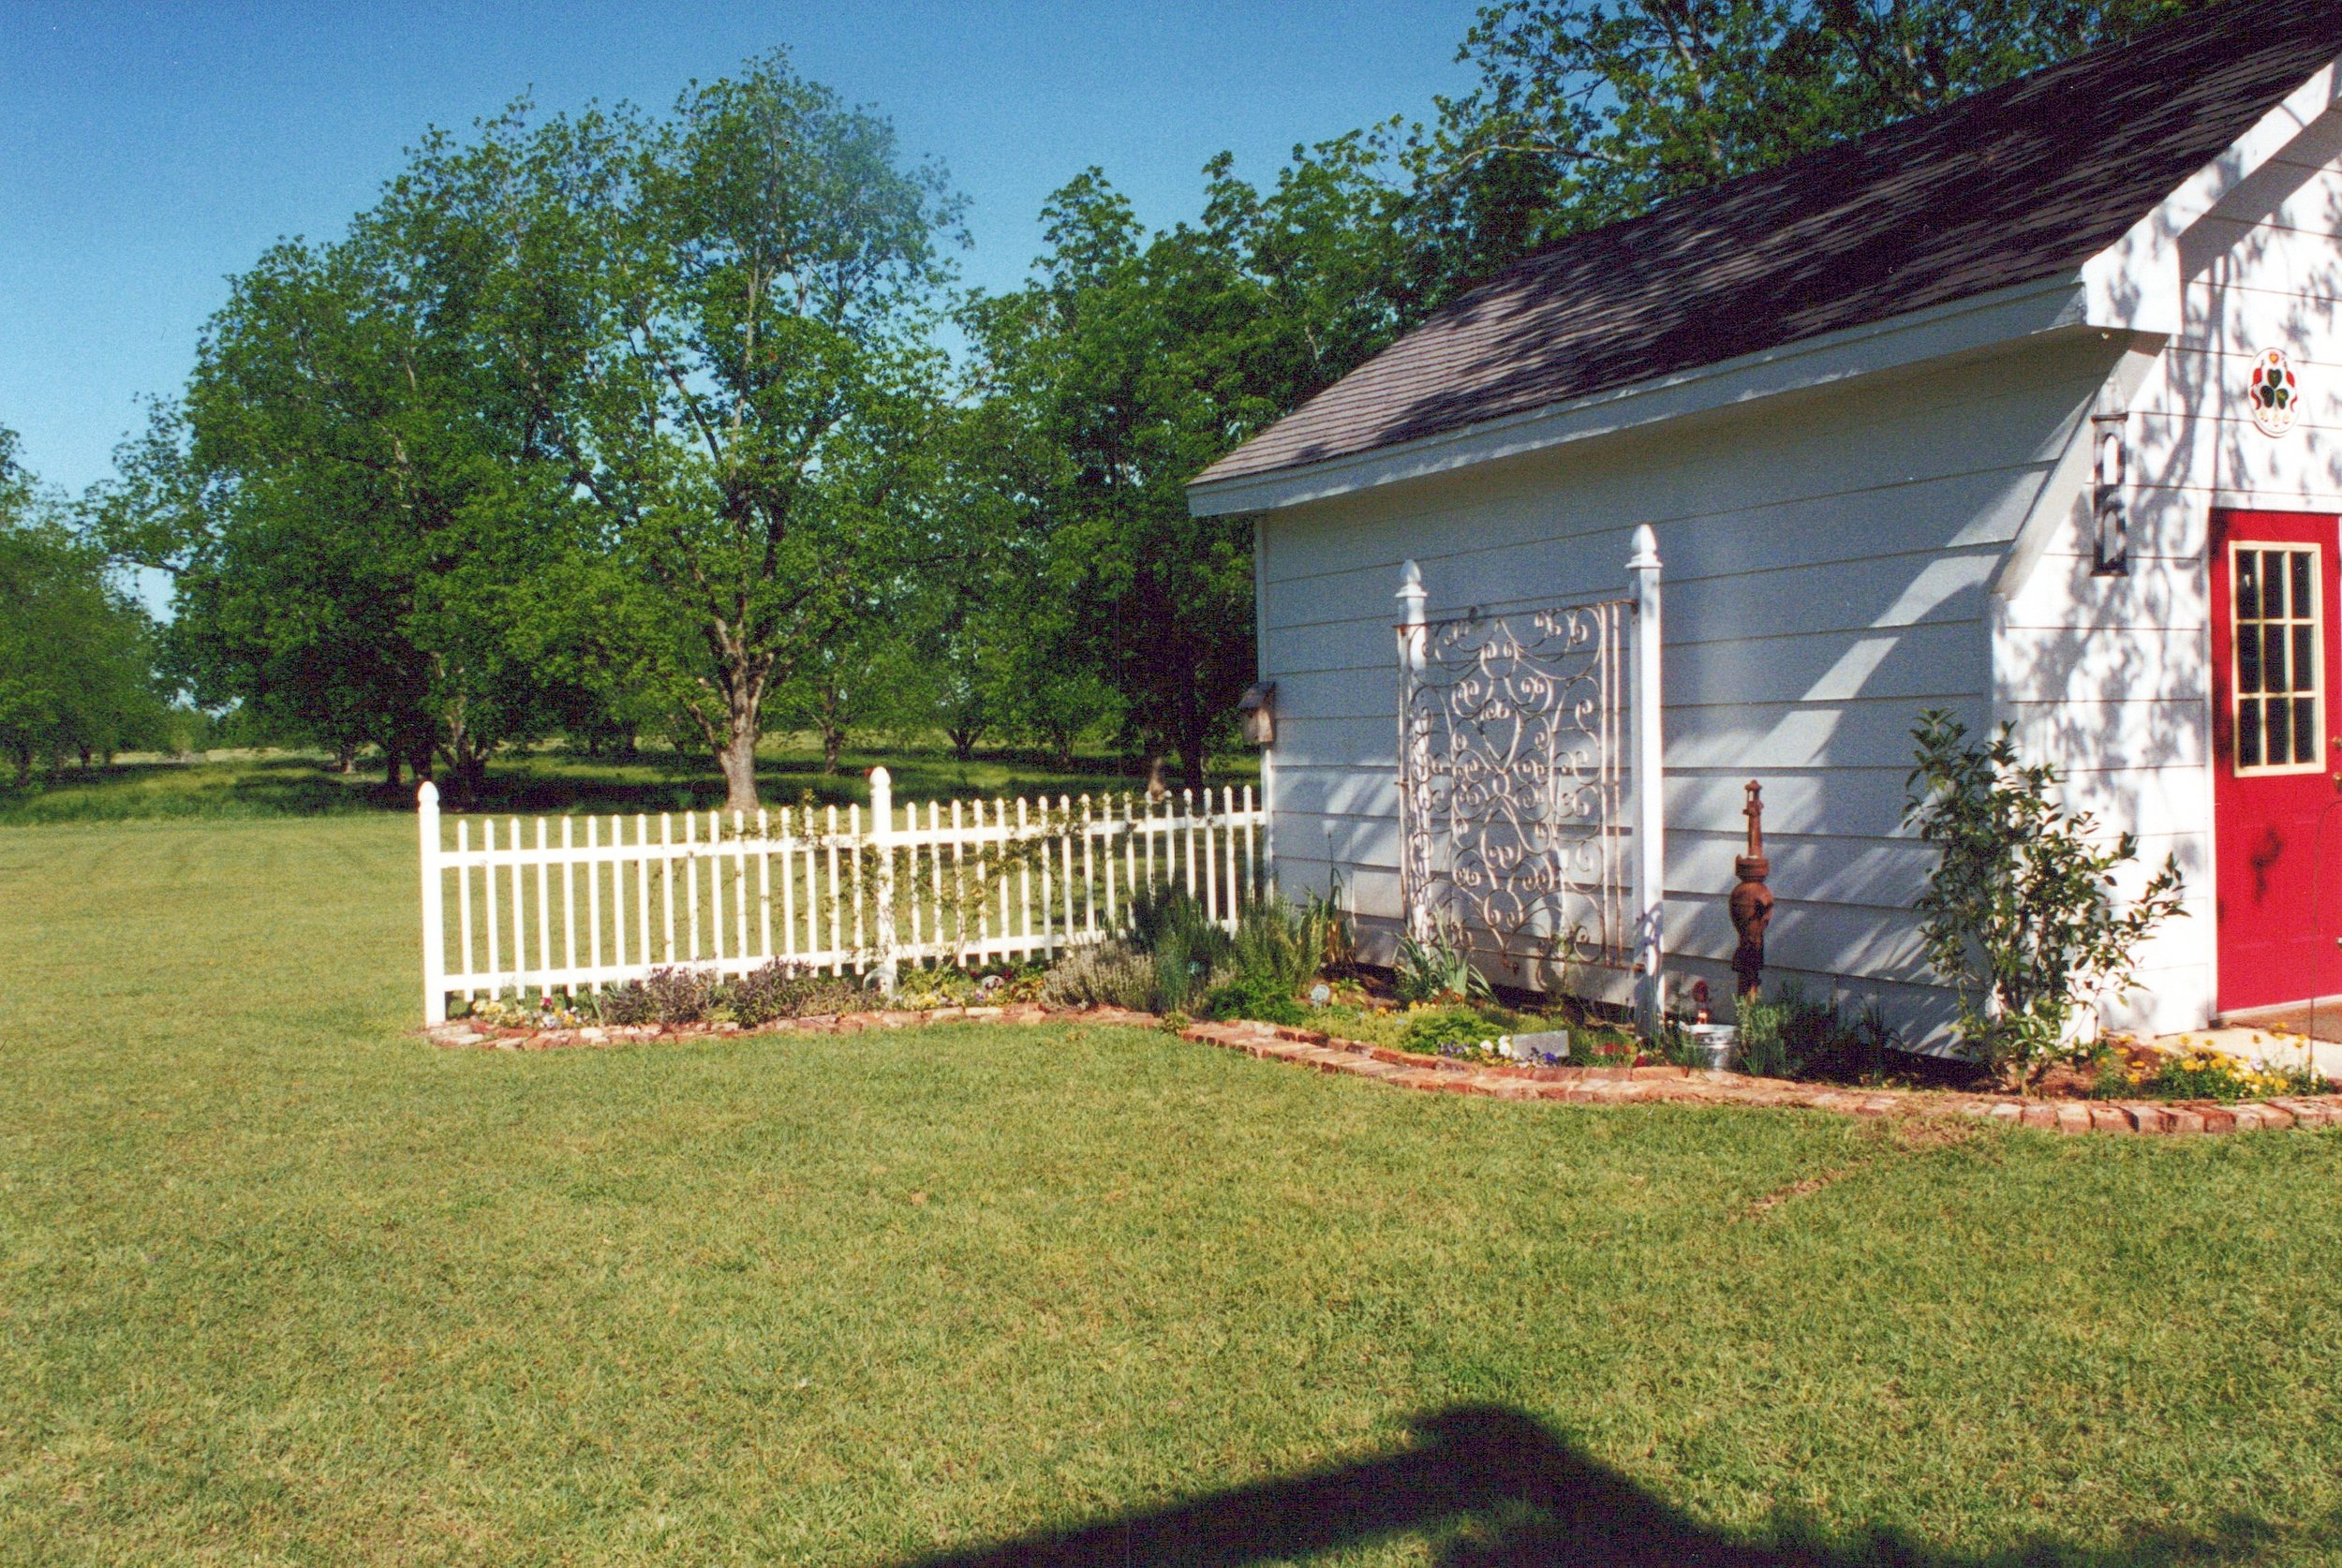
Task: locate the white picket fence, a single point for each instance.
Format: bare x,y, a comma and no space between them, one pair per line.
577,903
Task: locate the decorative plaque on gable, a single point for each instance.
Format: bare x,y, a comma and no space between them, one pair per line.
2274,393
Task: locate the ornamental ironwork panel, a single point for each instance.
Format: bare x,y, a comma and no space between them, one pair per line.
1512,787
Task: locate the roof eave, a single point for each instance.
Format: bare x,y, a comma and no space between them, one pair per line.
1981,322
2139,282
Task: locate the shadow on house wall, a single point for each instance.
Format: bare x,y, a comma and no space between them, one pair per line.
1492,1488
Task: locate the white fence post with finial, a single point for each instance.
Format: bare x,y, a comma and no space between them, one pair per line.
1650,782
1410,597
883,880
434,935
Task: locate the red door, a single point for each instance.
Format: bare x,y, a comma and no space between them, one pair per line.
2278,849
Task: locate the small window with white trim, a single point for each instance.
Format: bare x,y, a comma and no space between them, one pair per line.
2279,654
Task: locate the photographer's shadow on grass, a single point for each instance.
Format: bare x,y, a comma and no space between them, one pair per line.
1488,1487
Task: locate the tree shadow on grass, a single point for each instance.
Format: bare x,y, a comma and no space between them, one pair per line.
1492,1488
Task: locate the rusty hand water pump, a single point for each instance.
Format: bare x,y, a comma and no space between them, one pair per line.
1751,904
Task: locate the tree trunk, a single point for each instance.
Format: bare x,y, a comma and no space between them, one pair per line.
346,757
466,776
389,768
737,758
963,744
1191,757
832,743
734,731
85,758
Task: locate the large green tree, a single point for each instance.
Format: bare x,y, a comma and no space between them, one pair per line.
358,507
977,634
586,417
1133,360
725,333
76,647
1587,112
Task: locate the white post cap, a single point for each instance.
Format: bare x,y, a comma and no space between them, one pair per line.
1646,555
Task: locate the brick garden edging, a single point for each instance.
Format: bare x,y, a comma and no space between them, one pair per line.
1574,1085
1694,1086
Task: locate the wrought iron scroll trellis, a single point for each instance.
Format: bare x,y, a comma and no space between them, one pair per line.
1512,732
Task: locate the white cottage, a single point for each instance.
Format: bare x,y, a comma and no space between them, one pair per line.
2030,409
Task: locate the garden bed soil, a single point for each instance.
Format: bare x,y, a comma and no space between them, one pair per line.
1439,1074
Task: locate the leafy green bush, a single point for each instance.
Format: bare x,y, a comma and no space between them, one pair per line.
1448,1031
626,1005
1103,974
1763,1045
1278,948
1678,1046
1190,954
777,990
679,996
1279,944
1260,997
1170,916
1438,970
1794,1035
946,987
2017,918
1184,970
1176,959
782,990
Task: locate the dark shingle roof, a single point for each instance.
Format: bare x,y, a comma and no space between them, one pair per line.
2021,182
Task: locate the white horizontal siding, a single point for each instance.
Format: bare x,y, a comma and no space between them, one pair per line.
2279,259
1827,562
1897,516
2114,662
1801,450
2219,315
2194,366
2110,677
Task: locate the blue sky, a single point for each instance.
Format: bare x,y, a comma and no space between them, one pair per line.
148,152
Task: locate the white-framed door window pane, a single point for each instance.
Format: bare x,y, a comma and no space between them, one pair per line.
2276,677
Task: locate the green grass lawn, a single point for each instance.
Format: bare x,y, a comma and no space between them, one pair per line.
281,1284
242,784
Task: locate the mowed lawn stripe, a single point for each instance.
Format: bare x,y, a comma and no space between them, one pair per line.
282,1283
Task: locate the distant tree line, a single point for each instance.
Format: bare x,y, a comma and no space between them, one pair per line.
615,423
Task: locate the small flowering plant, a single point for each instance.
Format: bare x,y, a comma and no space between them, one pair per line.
918,989
680,995
1613,1053
2202,1071
1486,1037
515,1011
